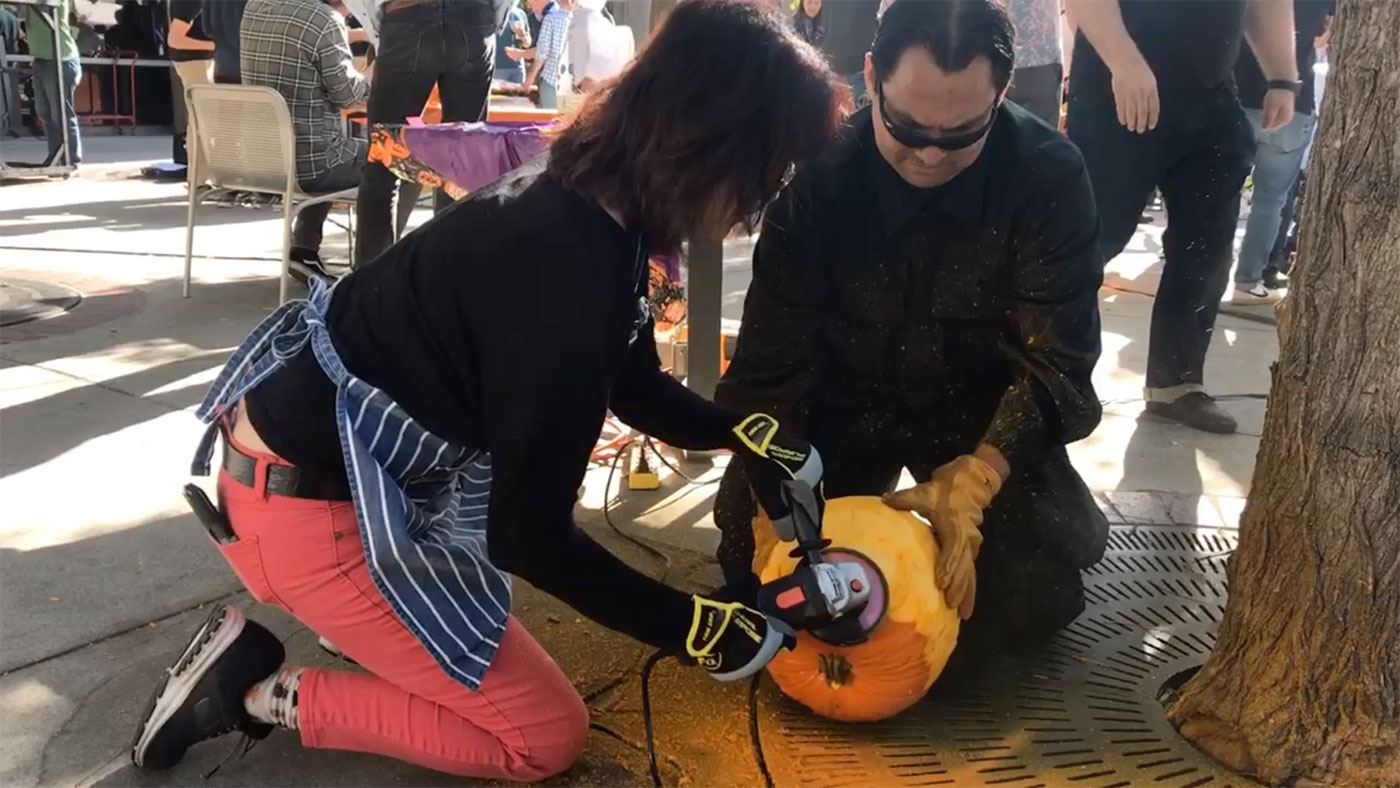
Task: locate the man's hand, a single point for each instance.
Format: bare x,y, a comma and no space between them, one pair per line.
731,640
515,53
1135,94
953,501
1278,109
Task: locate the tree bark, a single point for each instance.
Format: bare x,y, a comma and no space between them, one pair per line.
1304,683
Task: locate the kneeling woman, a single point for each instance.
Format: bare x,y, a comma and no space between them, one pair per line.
393,447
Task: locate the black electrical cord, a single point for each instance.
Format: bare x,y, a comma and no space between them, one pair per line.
646,714
753,732
754,738
673,468
661,654
607,514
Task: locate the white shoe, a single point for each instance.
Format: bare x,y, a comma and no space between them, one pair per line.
1256,295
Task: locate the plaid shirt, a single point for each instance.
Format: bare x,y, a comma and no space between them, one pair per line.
300,49
553,45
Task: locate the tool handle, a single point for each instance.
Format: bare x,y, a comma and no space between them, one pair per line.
774,639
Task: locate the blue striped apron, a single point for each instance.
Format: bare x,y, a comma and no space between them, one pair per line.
421,501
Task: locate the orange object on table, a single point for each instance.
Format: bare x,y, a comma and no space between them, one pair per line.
432,111
509,114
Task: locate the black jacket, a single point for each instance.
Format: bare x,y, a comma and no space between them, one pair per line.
969,311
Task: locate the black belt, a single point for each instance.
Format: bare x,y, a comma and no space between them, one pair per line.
284,480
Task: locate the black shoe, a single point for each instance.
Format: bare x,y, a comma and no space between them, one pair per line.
306,264
1197,410
201,696
1274,280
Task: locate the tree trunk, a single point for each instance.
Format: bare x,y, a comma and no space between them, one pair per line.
1304,683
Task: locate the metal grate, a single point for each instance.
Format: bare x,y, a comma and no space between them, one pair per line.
1082,713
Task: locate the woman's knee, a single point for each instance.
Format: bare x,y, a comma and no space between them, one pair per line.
553,748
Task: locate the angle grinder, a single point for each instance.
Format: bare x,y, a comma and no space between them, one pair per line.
838,596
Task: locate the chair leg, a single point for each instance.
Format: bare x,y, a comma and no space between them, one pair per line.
189,239
350,230
286,247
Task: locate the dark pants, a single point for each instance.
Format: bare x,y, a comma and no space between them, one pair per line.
420,46
1039,532
1198,156
307,229
1287,241
1038,89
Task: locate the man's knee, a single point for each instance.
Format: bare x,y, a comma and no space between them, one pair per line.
1049,506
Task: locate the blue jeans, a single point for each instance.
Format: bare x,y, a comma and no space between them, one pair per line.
1277,161
549,95
47,103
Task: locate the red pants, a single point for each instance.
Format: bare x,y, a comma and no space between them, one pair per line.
525,723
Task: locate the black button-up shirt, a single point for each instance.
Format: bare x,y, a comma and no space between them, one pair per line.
967,313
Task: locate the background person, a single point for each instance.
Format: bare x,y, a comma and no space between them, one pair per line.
1278,155
1152,104
549,60
191,61
1038,81
515,36
300,48
421,45
52,103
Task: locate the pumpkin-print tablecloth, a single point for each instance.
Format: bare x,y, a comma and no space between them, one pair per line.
462,157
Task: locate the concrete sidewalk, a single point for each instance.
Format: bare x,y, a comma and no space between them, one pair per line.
104,573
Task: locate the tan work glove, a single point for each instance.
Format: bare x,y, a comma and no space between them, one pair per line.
953,502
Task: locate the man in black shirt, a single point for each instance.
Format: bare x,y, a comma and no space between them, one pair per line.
222,20
1152,105
1278,158
925,297
190,59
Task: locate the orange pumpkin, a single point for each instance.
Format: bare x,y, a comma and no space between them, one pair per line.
909,646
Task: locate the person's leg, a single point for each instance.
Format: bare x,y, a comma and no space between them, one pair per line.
1201,187
1277,161
1037,89
549,96
188,73
525,722
72,74
45,84
411,52
465,86
1122,166
1038,534
1287,240
310,222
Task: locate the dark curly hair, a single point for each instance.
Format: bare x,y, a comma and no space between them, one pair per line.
698,133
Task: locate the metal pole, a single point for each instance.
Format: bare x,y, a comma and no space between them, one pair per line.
704,292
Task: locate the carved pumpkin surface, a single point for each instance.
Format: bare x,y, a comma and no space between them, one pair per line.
907,649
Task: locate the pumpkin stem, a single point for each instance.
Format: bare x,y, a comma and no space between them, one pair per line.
835,668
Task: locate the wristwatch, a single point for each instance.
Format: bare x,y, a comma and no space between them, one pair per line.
1290,85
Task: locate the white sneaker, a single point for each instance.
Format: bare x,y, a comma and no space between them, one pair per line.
1256,294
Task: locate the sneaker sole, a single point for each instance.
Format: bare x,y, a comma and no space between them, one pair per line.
214,637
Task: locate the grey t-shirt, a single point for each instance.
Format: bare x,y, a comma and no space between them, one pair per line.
1037,25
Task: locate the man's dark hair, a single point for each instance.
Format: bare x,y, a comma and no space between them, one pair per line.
952,31
701,128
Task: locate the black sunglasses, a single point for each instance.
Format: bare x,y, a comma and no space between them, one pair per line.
914,138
